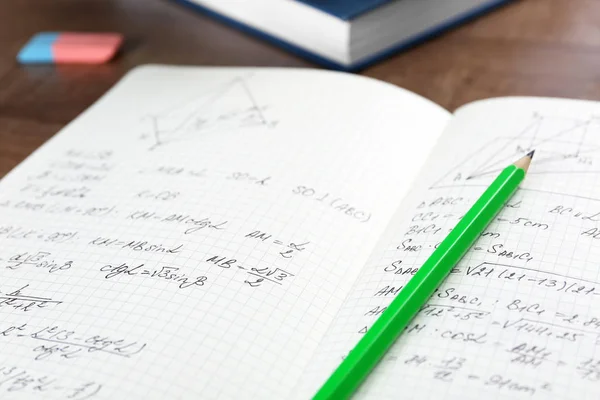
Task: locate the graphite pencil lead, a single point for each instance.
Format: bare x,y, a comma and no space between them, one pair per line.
530,154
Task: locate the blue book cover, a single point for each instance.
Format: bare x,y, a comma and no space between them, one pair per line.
347,10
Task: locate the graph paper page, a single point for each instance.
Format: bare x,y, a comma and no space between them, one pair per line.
519,316
193,234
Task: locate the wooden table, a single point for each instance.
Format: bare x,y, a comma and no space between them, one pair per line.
531,47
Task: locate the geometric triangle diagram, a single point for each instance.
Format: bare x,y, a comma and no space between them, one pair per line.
230,106
565,148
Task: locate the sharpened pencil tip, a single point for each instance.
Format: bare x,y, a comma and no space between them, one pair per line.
525,161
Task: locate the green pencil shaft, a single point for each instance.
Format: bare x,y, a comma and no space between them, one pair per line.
377,340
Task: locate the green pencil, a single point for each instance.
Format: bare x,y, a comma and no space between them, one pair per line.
366,354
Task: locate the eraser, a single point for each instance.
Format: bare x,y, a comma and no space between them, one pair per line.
70,47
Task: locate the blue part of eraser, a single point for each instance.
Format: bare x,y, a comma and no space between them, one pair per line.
38,49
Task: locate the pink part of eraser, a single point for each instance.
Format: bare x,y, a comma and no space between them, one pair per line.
85,48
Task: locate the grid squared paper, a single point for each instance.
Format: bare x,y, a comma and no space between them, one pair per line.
526,326
195,232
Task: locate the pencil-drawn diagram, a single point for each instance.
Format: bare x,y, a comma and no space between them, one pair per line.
565,148
228,107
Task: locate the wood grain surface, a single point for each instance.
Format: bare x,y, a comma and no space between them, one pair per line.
530,47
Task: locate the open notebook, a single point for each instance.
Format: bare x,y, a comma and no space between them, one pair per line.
231,233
